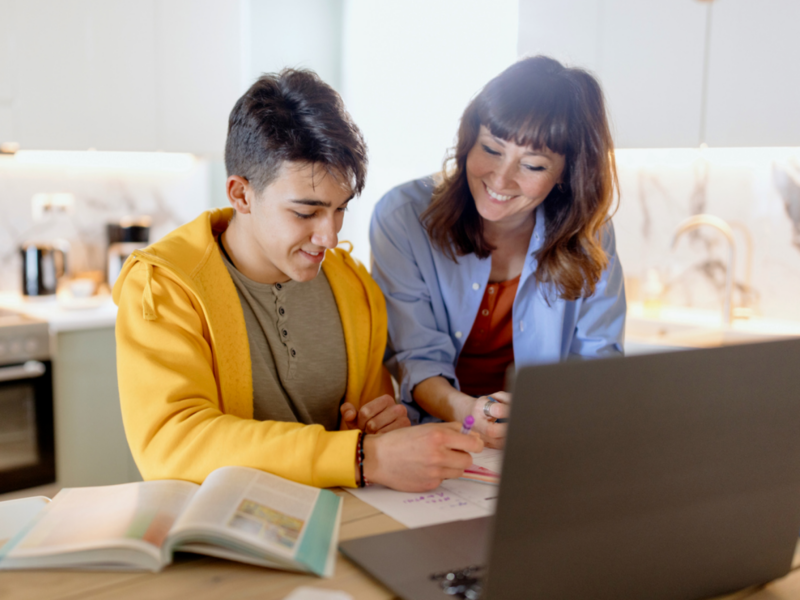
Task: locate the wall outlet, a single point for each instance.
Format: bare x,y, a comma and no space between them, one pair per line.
43,205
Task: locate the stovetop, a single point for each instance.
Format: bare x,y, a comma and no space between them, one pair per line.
12,317
22,338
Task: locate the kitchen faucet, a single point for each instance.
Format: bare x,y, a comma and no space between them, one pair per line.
730,272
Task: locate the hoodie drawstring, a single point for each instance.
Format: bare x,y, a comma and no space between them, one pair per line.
148,304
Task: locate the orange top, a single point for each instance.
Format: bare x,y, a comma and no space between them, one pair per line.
489,349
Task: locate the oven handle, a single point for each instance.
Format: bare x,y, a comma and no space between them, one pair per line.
30,370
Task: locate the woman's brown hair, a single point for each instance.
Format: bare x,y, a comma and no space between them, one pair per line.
539,103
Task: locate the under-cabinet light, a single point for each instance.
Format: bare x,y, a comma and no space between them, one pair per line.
93,159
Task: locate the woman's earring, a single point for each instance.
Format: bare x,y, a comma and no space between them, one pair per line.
560,187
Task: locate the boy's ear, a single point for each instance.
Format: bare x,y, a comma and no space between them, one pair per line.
240,194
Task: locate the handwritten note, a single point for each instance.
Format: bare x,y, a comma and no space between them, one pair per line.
454,500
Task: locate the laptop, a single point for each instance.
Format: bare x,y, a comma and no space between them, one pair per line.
661,476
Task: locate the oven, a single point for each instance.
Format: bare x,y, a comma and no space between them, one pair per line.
27,440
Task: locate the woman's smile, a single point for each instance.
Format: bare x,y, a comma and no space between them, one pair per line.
496,196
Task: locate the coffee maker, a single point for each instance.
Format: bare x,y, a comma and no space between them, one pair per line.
129,234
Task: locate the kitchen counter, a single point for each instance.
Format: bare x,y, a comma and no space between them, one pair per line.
65,313
674,328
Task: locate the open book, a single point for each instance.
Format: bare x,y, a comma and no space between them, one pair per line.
238,513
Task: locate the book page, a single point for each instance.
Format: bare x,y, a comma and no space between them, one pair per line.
16,515
130,514
252,506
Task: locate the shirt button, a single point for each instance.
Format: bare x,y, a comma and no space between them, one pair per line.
458,333
521,326
476,286
294,353
281,311
485,312
278,286
285,333
491,289
536,236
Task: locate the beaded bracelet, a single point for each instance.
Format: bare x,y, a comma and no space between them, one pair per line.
360,459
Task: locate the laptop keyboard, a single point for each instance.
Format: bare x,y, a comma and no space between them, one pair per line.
466,584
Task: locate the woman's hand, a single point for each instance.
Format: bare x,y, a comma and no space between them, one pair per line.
438,397
492,432
377,416
418,459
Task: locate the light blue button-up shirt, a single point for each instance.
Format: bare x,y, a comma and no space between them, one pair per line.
433,301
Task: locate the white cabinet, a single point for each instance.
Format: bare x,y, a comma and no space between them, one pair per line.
201,46
649,57
6,72
120,74
122,97
52,75
91,448
85,75
753,84
651,67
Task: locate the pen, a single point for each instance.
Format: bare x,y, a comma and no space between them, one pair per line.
468,423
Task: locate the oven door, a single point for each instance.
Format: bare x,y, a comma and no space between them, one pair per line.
27,448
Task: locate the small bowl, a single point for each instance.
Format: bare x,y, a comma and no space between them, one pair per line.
81,288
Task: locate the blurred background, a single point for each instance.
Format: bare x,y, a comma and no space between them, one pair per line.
113,115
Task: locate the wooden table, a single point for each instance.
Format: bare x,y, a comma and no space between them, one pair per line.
200,578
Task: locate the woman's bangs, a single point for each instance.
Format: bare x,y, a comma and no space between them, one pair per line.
538,123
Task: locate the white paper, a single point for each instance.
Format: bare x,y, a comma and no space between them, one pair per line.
483,495
310,593
454,500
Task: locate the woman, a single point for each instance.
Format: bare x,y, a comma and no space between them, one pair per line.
508,257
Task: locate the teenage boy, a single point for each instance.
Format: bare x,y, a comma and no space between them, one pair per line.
233,348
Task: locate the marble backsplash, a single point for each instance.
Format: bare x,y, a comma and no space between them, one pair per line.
756,190
169,195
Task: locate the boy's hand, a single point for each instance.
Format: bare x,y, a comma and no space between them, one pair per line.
419,458
377,416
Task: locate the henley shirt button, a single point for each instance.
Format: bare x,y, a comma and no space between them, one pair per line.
485,312
476,286
491,290
278,286
285,333
294,353
281,311
458,333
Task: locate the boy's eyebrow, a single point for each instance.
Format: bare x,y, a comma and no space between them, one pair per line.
308,202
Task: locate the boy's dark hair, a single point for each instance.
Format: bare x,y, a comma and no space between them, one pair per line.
293,116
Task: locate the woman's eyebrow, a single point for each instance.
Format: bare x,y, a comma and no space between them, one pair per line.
536,153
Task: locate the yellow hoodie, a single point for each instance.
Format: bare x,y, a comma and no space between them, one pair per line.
183,363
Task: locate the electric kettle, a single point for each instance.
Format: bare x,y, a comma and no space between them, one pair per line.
42,266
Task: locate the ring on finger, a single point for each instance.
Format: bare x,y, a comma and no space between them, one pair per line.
487,408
